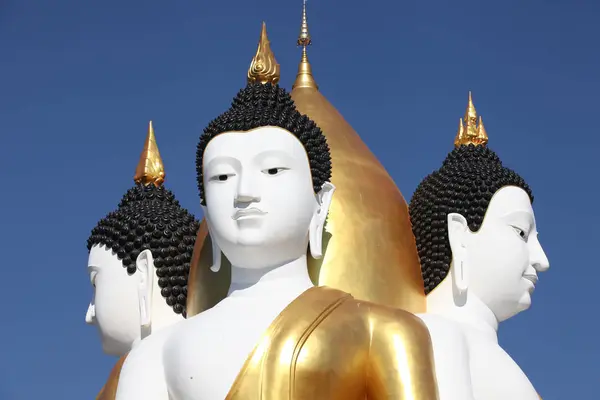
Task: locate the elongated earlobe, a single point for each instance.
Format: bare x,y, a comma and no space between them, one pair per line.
317,223
216,250
145,271
458,229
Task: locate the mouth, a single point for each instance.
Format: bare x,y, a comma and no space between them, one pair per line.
531,278
245,213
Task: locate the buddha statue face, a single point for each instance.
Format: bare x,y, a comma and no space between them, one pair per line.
260,202
473,220
115,306
263,174
503,258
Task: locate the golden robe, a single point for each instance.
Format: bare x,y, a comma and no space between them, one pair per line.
327,345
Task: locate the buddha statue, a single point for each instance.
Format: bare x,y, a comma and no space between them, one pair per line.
138,262
477,239
264,180
368,220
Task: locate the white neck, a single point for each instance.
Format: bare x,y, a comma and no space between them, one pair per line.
469,310
288,277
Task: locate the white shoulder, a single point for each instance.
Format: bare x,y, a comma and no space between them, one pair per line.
142,376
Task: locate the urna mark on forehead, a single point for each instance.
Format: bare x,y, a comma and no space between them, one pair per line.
259,142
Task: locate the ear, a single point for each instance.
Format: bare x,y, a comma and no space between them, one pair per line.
145,269
317,223
458,229
216,250
90,315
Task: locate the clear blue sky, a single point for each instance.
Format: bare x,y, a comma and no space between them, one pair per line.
80,80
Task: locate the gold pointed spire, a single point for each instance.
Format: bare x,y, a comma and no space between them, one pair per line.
471,131
304,78
150,169
264,67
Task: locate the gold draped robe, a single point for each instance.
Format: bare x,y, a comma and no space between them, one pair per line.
328,345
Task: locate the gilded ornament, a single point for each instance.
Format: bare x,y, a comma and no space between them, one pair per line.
150,169
471,131
264,67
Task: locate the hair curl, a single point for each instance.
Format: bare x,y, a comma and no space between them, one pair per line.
149,217
465,184
259,105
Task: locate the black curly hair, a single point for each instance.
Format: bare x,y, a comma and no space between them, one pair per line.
260,105
464,184
149,217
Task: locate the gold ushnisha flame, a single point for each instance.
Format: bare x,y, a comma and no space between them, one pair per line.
150,169
471,131
264,67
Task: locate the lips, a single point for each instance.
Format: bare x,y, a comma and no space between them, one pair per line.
243,213
531,278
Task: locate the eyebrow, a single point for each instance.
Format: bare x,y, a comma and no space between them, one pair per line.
223,159
527,215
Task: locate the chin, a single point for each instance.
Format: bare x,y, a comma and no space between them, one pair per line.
524,302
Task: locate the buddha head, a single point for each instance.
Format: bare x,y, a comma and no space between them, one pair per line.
139,259
473,220
263,175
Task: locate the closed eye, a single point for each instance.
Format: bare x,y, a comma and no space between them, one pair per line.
522,234
274,171
93,278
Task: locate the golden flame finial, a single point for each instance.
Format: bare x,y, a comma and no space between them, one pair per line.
264,67
150,169
304,78
471,131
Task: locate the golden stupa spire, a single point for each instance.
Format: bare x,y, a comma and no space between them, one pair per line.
304,78
264,67
150,169
471,131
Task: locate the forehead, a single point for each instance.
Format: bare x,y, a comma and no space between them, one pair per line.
100,255
246,144
509,199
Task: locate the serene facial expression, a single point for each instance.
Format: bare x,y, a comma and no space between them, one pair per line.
259,196
505,256
114,308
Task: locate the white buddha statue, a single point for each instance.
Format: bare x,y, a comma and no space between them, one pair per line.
477,239
263,174
138,262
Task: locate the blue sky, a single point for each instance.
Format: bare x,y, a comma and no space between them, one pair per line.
80,80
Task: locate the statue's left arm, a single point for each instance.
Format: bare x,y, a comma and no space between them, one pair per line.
401,363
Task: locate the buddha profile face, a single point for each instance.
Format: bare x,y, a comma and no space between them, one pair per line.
114,306
264,179
142,247
473,219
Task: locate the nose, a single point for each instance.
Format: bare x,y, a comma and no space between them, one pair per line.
538,258
247,190
90,315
